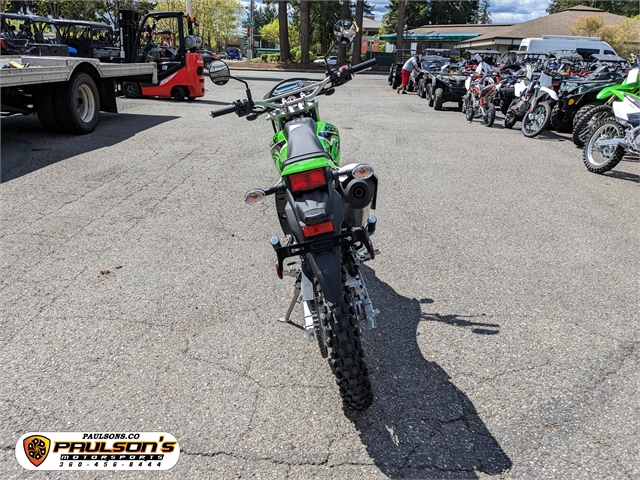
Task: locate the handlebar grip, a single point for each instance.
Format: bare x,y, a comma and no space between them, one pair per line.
363,65
224,111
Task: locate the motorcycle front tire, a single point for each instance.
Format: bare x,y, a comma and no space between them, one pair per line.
606,129
529,130
469,114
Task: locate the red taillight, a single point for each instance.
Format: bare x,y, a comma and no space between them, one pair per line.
278,272
301,182
319,229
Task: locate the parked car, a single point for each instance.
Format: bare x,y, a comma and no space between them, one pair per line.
234,54
332,60
208,57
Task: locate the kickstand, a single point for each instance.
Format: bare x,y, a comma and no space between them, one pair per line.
294,300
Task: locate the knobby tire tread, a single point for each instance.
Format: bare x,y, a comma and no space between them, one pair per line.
615,158
583,121
347,356
438,99
561,121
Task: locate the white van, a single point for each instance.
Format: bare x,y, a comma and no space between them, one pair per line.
585,46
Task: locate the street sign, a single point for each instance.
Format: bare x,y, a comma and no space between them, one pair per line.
247,23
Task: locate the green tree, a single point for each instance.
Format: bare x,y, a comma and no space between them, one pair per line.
218,20
482,15
105,11
436,12
271,33
621,37
588,26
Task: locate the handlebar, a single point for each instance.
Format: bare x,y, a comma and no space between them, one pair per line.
363,66
224,111
334,78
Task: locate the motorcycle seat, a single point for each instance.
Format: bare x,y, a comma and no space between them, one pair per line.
303,141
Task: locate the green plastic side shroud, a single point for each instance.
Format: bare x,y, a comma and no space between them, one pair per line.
619,90
330,140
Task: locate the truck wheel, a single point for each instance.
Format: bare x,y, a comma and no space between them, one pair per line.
179,93
131,89
207,65
78,105
46,107
438,99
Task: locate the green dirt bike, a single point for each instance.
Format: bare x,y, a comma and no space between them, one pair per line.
323,209
590,115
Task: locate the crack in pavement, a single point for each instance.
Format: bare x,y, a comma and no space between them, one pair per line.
548,428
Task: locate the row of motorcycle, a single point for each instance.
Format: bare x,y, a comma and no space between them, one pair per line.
598,101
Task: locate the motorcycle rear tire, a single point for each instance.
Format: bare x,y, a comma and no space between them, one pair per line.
607,128
438,99
590,118
394,83
489,116
346,357
538,129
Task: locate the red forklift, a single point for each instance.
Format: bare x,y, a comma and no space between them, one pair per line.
167,39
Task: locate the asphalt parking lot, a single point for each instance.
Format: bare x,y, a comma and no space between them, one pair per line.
138,294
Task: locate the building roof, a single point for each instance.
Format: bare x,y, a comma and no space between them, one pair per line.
456,32
559,23
483,35
369,23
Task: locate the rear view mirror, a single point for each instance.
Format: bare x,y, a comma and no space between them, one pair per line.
344,31
219,72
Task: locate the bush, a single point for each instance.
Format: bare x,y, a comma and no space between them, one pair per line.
273,57
264,57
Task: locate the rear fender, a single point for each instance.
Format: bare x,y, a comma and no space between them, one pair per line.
325,265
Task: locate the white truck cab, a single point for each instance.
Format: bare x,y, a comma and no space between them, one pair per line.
585,46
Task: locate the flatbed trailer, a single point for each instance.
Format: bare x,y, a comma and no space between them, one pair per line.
66,93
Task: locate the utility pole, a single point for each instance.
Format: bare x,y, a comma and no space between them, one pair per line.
188,7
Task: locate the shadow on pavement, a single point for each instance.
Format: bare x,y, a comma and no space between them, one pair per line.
420,424
27,146
632,177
